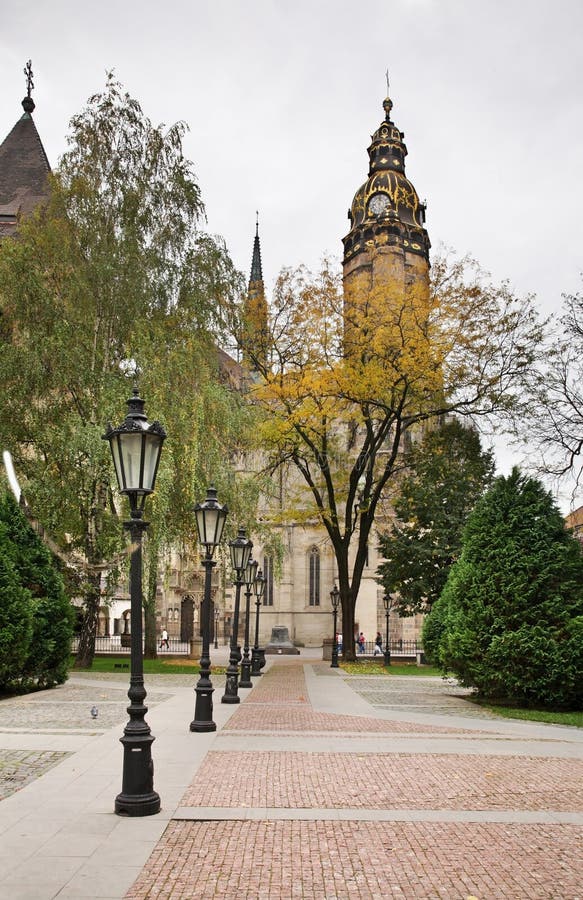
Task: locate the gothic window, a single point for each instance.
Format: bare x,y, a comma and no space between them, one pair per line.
314,577
268,575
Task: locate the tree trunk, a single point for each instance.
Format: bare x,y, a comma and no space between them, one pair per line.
86,651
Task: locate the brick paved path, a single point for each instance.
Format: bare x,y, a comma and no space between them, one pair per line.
297,802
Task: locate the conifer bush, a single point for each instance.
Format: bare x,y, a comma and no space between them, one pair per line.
36,618
510,619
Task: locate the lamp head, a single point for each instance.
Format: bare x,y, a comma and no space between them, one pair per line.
240,549
210,521
136,447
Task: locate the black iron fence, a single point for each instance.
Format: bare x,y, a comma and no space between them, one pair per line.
119,644
397,648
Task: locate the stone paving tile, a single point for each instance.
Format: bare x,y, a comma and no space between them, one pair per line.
62,716
19,767
361,861
266,718
68,707
386,781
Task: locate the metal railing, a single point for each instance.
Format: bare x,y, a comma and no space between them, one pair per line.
119,645
397,648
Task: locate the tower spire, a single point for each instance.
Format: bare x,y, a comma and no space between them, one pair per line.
255,328
256,270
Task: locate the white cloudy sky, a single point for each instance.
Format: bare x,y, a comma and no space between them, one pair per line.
281,97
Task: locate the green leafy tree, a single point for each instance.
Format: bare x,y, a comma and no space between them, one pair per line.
510,619
113,271
347,379
49,645
447,472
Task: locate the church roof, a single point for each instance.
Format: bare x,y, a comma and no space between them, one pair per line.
24,167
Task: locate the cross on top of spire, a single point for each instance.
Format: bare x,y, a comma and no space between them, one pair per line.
28,103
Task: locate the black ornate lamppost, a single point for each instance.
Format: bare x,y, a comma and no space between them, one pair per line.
250,576
210,521
335,598
136,446
259,587
240,549
216,628
387,605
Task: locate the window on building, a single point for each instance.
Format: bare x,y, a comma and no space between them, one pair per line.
268,575
314,577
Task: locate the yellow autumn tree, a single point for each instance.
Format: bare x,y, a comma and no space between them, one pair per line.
348,378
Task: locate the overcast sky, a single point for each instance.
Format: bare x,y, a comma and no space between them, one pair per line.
282,96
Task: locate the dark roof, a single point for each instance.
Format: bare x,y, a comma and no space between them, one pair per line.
23,172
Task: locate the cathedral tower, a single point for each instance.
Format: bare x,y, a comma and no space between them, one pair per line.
387,244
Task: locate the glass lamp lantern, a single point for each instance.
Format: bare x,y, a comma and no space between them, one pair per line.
210,520
240,549
136,447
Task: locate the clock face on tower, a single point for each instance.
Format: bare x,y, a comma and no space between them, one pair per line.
378,204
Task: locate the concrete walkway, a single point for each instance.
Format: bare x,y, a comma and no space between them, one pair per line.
318,785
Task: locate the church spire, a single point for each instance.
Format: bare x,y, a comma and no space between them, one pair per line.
256,270
255,327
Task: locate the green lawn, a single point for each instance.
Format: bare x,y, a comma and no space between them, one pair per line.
371,667
534,715
119,664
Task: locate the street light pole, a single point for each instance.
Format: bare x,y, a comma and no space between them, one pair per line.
250,576
136,446
387,605
216,628
210,521
335,598
259,587
240,549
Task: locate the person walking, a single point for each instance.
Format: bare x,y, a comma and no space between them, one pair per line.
164,640
361,642
378,645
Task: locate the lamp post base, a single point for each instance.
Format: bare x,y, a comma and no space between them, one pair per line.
203,710
387,657
137,797
256,662
142,805
245,680
231,686
334,663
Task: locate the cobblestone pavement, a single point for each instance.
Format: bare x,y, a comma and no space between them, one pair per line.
347,860
20,767
259,824
264,717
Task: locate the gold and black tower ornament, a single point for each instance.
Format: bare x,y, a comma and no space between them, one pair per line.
387,238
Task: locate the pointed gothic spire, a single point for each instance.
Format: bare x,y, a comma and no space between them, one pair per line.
256,270
255,328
